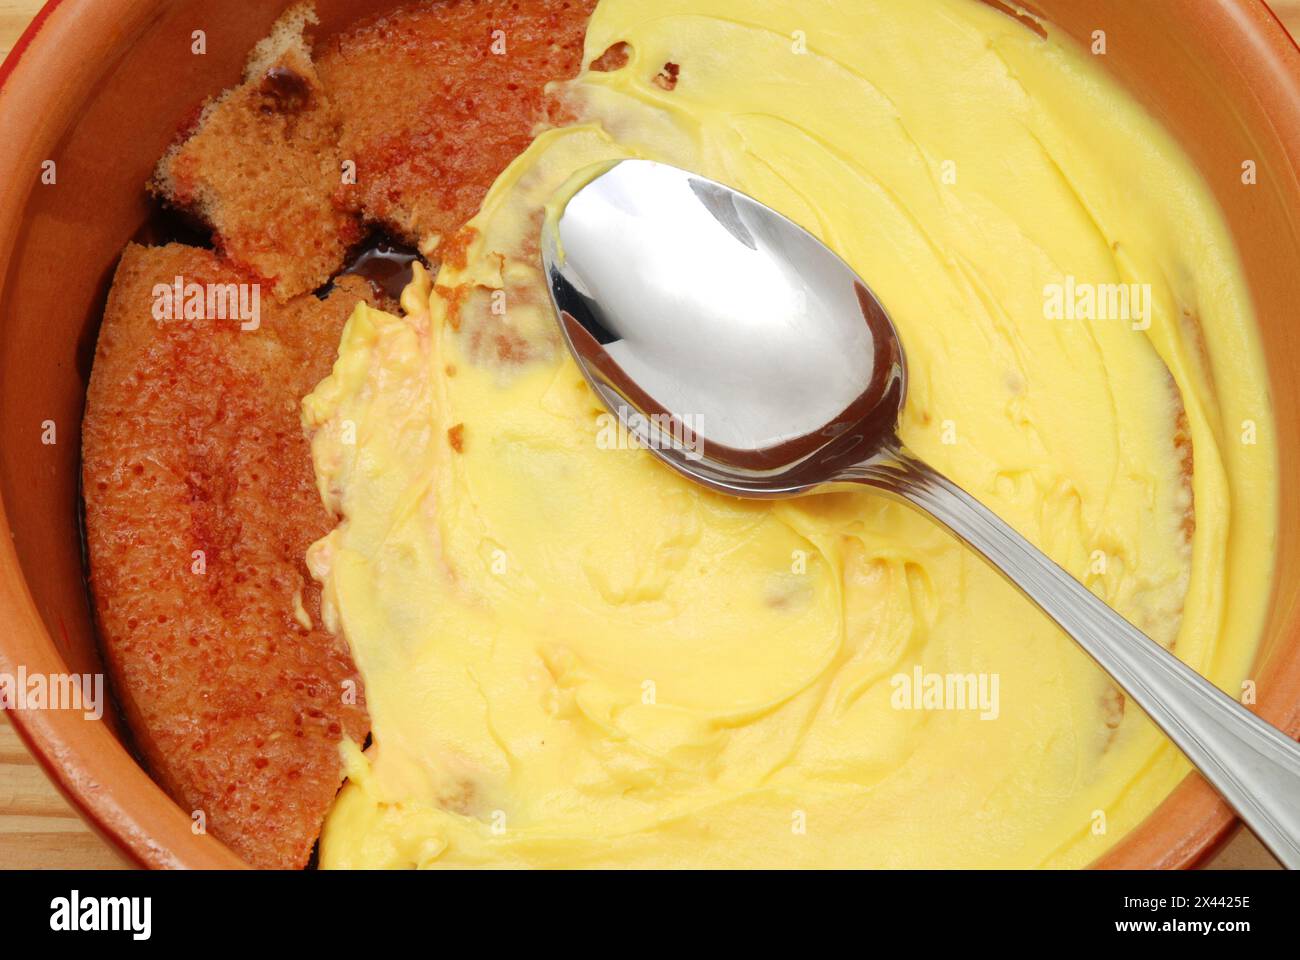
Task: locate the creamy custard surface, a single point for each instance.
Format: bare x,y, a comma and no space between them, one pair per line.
573,657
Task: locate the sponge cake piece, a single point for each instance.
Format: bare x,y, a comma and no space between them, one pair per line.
200,506
437,99
262,167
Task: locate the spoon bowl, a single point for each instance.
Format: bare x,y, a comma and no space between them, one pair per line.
747,354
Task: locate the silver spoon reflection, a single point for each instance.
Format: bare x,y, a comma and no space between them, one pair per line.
752,359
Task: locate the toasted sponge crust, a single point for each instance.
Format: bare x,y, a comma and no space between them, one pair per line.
437,98
200,506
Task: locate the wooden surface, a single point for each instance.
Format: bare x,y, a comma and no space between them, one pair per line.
14,17
37,827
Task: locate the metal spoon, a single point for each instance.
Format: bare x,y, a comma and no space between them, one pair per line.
752,359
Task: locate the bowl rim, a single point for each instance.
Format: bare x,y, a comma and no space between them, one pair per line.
157,834
150,830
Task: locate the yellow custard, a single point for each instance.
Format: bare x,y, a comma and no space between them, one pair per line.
573,657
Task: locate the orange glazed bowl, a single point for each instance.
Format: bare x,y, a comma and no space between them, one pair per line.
100,87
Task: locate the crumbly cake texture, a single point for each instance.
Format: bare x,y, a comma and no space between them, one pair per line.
200,505
404,121
262,167
438,98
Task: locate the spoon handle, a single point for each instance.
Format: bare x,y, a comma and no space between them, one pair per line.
1254,766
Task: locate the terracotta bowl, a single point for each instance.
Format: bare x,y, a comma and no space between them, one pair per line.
99,87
